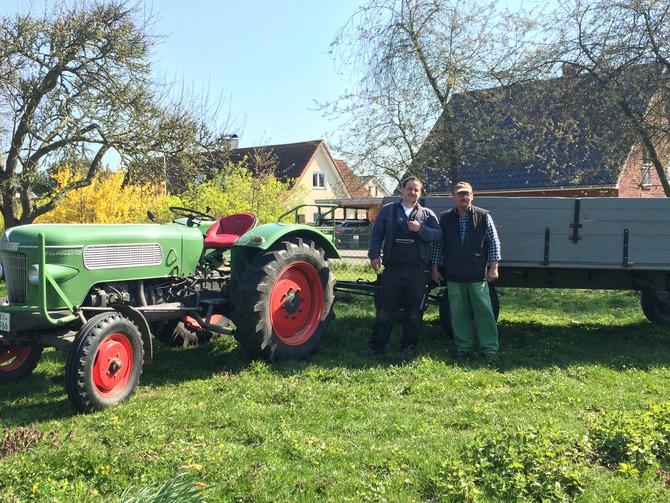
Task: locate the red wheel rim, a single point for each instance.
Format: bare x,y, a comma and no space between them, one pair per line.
296,303
113,365
12,358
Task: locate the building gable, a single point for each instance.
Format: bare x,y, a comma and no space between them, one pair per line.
306,164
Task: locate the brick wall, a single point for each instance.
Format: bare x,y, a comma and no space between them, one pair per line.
630,183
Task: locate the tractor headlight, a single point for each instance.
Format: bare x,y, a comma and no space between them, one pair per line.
34,275
59,273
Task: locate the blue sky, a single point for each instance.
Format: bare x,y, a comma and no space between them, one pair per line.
268,59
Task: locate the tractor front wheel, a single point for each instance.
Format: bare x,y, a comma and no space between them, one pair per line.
104,362
19,361
283,302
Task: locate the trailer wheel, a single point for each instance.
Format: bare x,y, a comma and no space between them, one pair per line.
656,307
445,313
19,361
104,362
283,302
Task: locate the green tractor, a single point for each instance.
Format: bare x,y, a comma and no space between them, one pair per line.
99,291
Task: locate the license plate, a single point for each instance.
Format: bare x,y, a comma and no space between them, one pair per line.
4,322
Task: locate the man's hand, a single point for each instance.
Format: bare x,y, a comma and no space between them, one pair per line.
492,272
414,225
376,264
435,274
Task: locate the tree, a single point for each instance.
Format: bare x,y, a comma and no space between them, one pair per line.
76,83
609,41
407,59
237,189
106,200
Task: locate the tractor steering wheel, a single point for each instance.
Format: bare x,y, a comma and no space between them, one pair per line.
191,215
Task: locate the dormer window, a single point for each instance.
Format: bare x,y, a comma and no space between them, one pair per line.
318,180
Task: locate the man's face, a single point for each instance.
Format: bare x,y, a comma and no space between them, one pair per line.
411,193
463,200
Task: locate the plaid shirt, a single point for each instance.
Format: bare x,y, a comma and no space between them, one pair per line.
492,241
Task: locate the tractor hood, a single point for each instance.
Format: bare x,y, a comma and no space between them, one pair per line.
83,255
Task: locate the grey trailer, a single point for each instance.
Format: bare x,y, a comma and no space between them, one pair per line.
589,243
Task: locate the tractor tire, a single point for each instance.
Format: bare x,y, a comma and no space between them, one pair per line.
283,302
19,361
104,362
445,312
656,307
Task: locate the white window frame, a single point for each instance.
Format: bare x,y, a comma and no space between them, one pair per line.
319,180
646,169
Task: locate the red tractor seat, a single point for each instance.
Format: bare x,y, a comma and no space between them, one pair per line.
226,231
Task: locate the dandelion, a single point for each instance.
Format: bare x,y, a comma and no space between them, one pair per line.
193,466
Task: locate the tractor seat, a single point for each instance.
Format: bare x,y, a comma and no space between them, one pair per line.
226,231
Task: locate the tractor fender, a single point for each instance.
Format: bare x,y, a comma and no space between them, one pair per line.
265,236
138,319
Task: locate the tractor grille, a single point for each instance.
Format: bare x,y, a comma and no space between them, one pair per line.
15,273
123,255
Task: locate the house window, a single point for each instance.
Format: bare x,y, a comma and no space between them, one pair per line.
646,169
318,180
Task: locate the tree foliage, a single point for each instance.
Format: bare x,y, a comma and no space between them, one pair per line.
407,58
236,189
105,200
108,199
75,84
610,40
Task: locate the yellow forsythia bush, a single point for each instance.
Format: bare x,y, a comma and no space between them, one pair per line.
103,201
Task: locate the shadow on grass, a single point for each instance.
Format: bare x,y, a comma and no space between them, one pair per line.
532,345
641,345
42,396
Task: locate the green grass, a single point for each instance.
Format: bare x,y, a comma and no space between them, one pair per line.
566,414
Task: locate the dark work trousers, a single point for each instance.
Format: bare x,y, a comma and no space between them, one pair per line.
403,286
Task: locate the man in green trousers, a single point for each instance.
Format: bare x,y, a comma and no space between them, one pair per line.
469,253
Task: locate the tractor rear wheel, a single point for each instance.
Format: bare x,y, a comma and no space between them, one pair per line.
104,362
283,301
19,361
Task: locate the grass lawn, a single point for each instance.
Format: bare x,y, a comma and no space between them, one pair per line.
575,409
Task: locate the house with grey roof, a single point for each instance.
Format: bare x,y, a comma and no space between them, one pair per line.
562,137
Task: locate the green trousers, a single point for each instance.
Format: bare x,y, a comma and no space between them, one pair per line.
465,298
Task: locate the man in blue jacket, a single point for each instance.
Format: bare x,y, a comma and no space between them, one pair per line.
400,242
